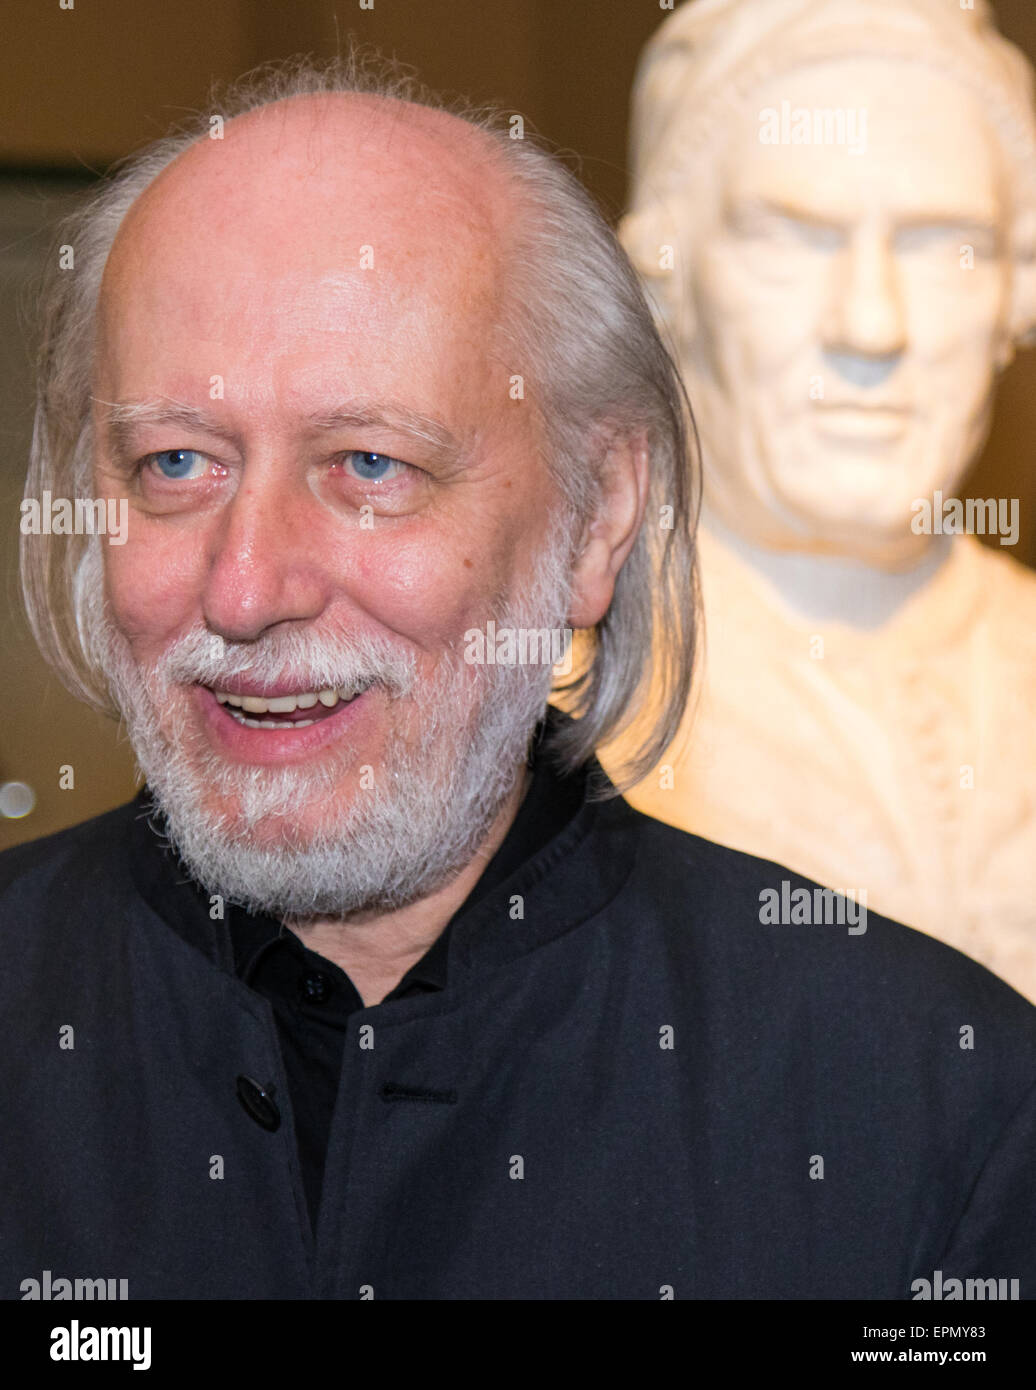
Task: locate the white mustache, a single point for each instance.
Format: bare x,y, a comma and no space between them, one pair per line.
304,660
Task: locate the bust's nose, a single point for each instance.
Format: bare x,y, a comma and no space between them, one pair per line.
865,314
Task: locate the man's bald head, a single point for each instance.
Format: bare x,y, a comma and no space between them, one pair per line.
329,238
302,207
291,184
328,248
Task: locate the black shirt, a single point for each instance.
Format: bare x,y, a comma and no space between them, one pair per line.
639,1088
312,997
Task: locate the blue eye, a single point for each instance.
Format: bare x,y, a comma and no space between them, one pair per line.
180,463
372,468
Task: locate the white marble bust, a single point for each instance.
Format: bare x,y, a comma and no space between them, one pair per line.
834,212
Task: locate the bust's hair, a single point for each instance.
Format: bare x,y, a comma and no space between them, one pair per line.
706,60
594,367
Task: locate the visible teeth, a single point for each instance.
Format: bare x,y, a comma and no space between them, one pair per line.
287,704
270,723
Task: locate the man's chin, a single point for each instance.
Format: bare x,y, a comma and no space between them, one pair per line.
275,830
336,854
276,865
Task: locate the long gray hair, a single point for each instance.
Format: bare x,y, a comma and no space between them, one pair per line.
599,370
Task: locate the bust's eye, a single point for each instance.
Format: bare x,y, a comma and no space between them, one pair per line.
371,468
179,463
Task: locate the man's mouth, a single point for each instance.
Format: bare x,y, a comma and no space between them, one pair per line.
297,710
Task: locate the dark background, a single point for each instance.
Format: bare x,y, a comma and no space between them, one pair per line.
81,87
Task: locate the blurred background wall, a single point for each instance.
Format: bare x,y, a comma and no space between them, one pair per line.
81,87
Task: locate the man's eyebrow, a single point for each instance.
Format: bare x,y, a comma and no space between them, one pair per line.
123,417
391,416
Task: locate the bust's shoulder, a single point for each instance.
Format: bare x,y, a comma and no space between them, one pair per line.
1008,590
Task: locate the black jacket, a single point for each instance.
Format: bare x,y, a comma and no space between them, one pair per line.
625,1089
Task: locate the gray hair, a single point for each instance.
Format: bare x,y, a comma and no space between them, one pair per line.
600,371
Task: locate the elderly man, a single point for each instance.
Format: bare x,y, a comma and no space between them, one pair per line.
378,990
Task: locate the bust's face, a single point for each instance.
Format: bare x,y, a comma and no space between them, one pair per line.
846,338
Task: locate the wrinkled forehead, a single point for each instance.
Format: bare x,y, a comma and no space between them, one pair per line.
306,201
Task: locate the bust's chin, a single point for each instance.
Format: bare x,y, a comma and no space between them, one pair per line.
891,548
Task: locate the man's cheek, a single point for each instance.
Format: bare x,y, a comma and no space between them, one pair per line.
424,590
151,590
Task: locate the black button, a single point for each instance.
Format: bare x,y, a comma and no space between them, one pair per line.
315,987
258,1101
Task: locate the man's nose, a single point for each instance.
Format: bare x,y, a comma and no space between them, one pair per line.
865,313
263,566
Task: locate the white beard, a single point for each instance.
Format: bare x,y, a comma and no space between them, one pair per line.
434,799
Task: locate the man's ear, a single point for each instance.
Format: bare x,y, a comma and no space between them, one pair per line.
609,536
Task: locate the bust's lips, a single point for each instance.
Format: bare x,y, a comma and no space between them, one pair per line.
848,420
